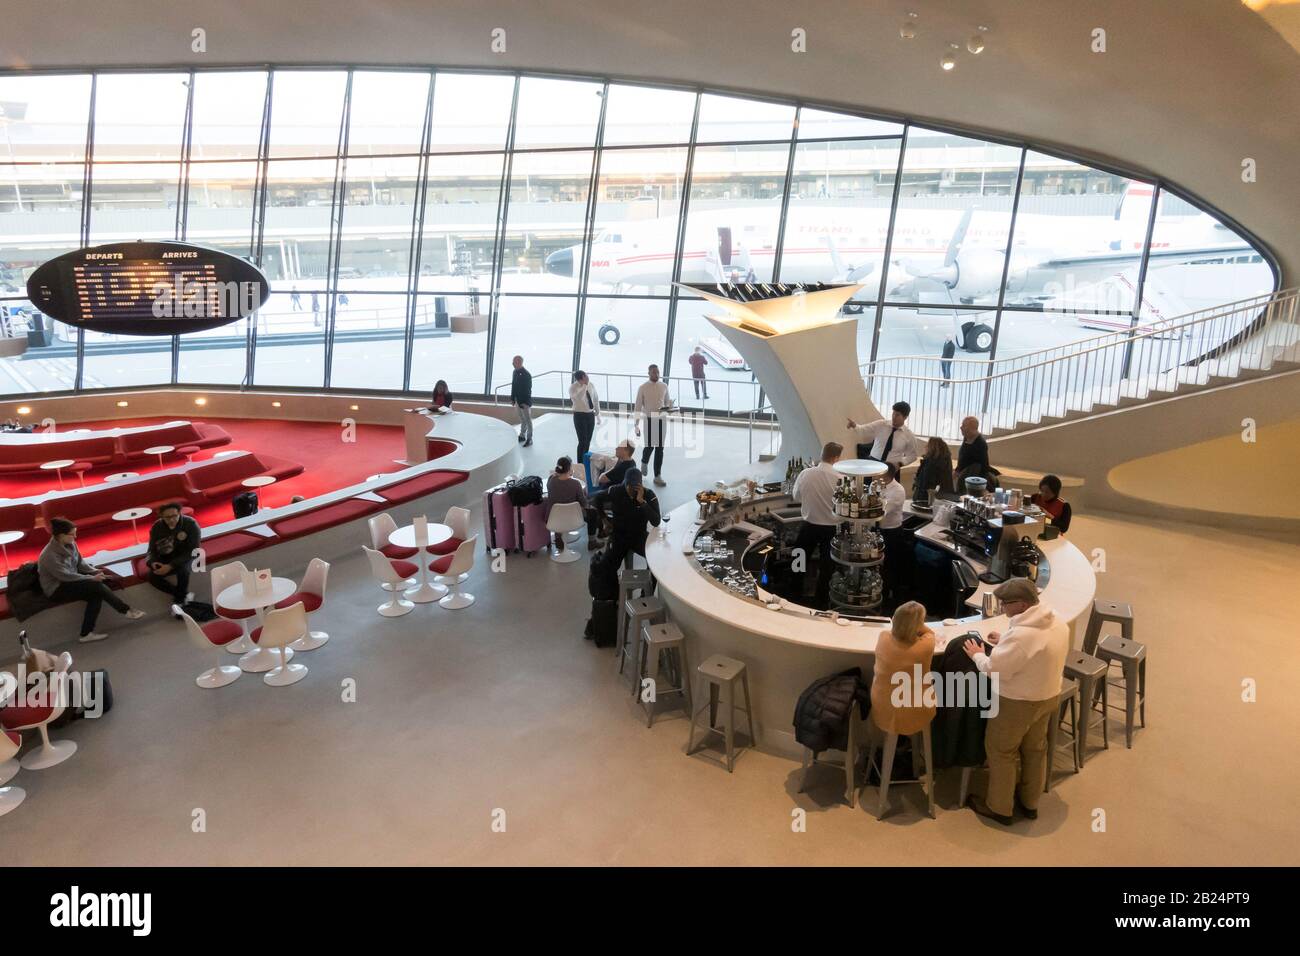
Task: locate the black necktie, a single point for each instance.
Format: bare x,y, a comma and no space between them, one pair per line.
590,406
889,443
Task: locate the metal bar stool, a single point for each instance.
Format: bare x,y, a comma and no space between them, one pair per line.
1090,672
920,742
1069,697
723,674
637,611
1132,659
629,580
656,640
1107,611
850,765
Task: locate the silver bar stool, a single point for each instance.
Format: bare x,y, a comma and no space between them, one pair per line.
1090,672
1132,659
1069,697
630,581
1103,612
723,675
637,611
850,765
657,640
920,743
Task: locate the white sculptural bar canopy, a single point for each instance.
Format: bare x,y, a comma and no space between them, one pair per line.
766,308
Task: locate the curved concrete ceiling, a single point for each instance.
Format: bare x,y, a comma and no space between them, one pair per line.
1186,89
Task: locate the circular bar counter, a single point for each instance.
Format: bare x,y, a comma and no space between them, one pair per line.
787,649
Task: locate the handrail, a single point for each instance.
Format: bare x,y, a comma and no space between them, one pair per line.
1051,383
681,390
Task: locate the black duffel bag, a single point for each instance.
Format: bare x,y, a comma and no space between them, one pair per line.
602,579
524,491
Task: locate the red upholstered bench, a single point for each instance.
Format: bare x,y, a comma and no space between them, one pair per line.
439,447
422,485
30,457
217,550
223,477
318,519
97,504
132,445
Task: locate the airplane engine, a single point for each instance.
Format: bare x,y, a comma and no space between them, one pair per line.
977,272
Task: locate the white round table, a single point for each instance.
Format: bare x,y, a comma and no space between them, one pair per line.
237,599
258,481
160,450
133,515
860,467
404,537
122,475
58,466
7,538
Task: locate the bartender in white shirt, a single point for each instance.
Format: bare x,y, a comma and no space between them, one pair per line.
891,441
896,570
651,404
814,489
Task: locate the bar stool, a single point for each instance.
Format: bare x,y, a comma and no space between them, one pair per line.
189,451
722,674
1067,698
657,639
629,580
80,468
1103,612
920,743
850,766
648,609
1090,673
1132,659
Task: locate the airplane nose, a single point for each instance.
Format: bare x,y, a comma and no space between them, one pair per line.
560,263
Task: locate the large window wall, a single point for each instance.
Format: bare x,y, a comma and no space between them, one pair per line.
419,225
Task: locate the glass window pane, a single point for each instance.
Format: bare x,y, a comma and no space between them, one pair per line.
732,119
459,358
637,211
215,356
735,210
548,205
50,362
471,111
618,369
556,113
133,201
639,114
220,208
291,340
140,116
120,361
370,338
387,114
460,217
228,111
819,124
40,218
839,213
954,213
377,220
1077,243
1198,263
43,118
732,386
295,248
540,328
306,113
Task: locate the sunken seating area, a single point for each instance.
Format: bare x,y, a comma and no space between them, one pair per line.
104,449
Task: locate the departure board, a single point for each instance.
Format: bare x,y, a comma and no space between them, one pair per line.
148,288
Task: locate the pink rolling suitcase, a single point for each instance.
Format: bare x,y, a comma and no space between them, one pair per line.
499,523
533,535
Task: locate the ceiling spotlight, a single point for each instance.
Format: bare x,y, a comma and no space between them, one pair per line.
976,43
275,404
355,408
949,61
200,401
122,404
908,30
24,410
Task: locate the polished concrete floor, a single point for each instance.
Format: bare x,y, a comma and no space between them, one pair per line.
503,713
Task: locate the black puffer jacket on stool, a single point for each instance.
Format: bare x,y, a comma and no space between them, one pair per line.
821,717
958,732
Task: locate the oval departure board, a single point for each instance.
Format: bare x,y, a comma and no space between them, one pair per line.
148,288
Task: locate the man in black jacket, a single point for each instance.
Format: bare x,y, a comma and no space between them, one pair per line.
173,540
633,507
521,394
973,458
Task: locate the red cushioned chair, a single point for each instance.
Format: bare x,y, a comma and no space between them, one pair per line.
381,526
284,626
311,595
223,577
38,718
10,797
80,468
391,575
454,568
218,633
457,520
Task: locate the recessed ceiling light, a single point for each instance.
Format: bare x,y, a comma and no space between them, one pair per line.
354,407
122,404
949,61
275,404
200,401
24,410
908,30
976,43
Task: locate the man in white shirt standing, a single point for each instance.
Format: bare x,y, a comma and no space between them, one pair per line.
651,407
814,489
890,441
1026,663
897,543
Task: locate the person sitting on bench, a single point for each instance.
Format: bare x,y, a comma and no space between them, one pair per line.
65,576
173,540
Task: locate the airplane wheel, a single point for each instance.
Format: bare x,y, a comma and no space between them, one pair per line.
852,308
979,338
609,335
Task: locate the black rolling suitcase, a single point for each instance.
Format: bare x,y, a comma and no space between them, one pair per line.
602,626
244,504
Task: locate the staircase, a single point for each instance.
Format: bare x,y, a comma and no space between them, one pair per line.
1194,352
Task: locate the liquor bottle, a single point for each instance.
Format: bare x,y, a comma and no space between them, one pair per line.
853,504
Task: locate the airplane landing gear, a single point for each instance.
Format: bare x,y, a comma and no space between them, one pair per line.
608,334
977,337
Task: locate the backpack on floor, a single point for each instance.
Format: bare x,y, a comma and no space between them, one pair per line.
244,504
201,611
602,626
525,491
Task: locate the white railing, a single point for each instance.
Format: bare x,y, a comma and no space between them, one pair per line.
1144,363
726,398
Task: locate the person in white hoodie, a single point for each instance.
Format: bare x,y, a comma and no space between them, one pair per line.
586,411
1027,663
652,405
